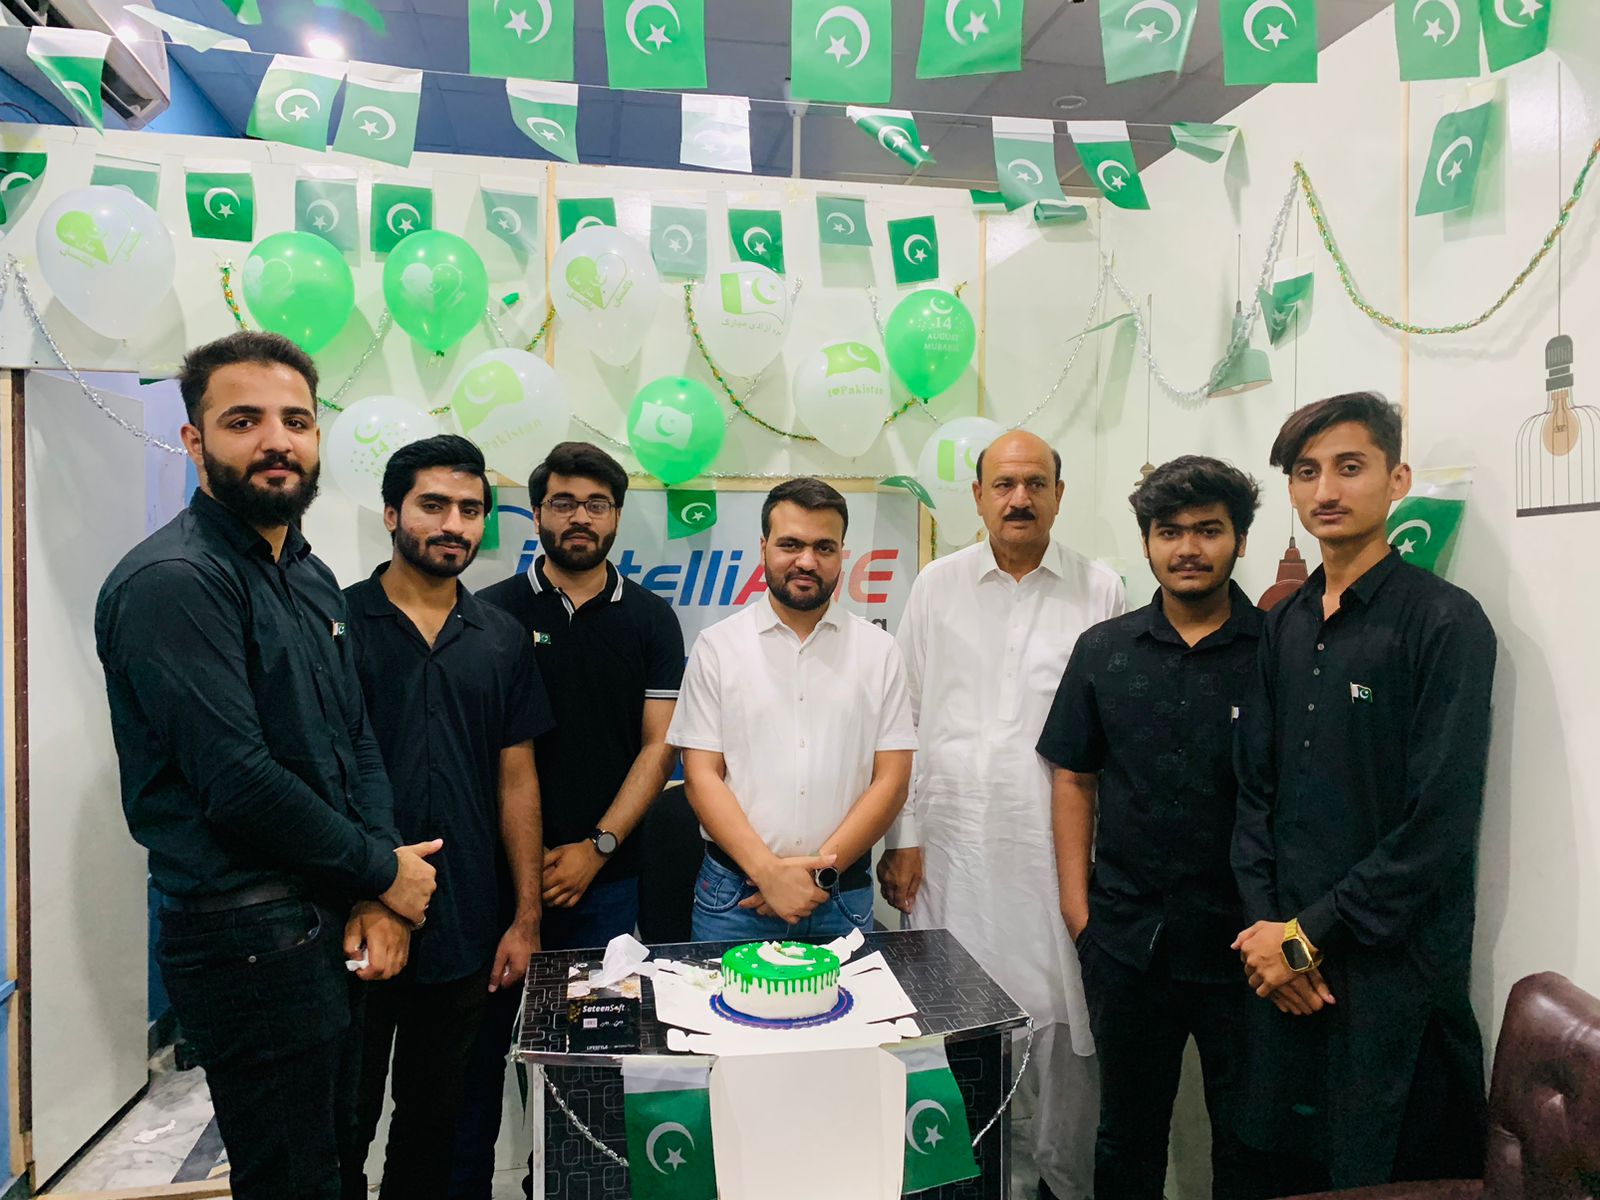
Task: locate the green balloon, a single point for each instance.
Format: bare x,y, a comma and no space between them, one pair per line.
298,285
675,428
930,339
436,288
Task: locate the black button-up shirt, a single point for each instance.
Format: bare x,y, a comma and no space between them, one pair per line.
243,744
1154,716
442,714
601,662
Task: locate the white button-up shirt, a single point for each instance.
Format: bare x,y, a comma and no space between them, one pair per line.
797,723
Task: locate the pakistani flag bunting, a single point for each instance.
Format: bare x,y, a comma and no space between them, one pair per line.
19,171
1451,175
583,211
380,113
398,210
188,33
895,129
1025,160
1423,526
520,39
221,198
246,12
757,236
139,179
1513,30
689,511
969,37
1269,41
716,133
1058,212
842,52
983,198
678,239
842,221
511,216
1438,39
656,44
914,247
666,1108
1106,151
1208,143
295,101
547,114
361,10
1286,305
325,204
1145,37
73,60
938,1140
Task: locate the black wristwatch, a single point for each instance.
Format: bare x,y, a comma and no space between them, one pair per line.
604,843
827,878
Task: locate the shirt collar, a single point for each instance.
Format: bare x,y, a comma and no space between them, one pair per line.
369,599
1364,589
1244,620
766,615
1054,561
239,534
541,583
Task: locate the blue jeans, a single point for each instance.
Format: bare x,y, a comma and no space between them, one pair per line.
718,917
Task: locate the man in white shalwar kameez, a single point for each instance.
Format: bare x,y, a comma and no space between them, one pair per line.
986,637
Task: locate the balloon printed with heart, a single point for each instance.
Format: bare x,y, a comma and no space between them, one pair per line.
841,394
745,328
299,285
364,438
436,287
605,289
107,258
511,404
947,468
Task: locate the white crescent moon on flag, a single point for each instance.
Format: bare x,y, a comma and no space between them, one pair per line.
694,512
403,207
211,195
655,1135
333,212
14,179
950,18
1030,173
74,88
535,124
750,233
1504,19
1438,170
905,249
1450,7
1427,530
1100,173
855,18
546,18
388,119
688,238
516,218
586,222
895,134
833,216
916,1110
1165,7
277,106
1261,6
631,18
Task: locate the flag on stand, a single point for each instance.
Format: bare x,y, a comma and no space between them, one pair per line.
656,45
1438,39
969,37
325,204
842,221
295,101
523,41
547,113
914,247
221,198
841,53
1269,41
678,239
398,210
757,236
1145,37
380,113
1106,151
895,129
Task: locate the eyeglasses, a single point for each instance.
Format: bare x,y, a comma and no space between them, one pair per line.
595,506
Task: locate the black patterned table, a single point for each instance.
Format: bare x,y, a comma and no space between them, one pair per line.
954,997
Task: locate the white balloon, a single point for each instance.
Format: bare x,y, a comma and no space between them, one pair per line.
107,257
605,288
947,467
511,404
359,445
841,394
744,317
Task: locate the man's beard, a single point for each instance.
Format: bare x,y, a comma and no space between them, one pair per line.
415,551
780,589
576,555
261,507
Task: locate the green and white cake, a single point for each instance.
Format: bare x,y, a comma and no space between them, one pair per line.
780,981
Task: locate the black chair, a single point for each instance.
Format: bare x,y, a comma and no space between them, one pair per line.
671,852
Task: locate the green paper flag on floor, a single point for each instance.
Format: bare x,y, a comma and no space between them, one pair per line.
19,171
1025,160
547,114
247,12
1145,37
584,211
1208,143
326,206
398,210
221,200
841,52
689,511
1514,30
520,40
73,60
1106,152
139,179
895,129
757,236
914,247
656,44
189,33
511,216
1423,526
1058,212
1286,305
1271,42
1451,175
666,1111
678,240
969,37
938,1140
295,101
1437,39
380,113
842,221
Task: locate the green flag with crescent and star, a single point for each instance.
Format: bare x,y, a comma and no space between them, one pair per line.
188,33
689,511
141,179
327,208
842,53
1025,160
1208,143
1451,175
546,114
842,221
1106,151
295,101
1268,41
221,202
895,129
380,113
580,212
938,1140
1438,39
914,247
969,37
1145,37
1514,30
21,169
715,133
678,239
520,39
1286,305
513,217
666,1111
246,12
398,210
1423,526
1058,212
656,44
73,60
757,236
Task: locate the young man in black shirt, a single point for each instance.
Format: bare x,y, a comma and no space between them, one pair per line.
1361,755
1140,736
251,775
456,701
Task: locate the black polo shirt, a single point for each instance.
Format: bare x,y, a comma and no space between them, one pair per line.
242,741
442,715
601,663
1154,717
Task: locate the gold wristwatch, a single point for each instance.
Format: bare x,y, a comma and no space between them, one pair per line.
1299,955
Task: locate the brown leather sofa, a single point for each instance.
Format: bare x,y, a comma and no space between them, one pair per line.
1544,1105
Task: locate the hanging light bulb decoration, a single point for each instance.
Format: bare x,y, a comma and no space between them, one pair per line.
1247,368
1558,450
1291,578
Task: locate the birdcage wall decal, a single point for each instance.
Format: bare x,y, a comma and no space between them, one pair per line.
1558,451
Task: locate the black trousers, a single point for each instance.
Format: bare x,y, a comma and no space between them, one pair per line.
429,1030
1141,1021
262,996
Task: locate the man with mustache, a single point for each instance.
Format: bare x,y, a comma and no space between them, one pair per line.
456,701
250,773
796,735
611,655
986,635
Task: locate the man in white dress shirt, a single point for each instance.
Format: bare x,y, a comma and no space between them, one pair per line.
986,637
797,739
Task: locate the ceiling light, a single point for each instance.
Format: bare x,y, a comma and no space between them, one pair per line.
322,46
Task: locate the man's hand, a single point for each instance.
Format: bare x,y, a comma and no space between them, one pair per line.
900,876
787,887
1076,915
568,872
1260,949
385,935
511,956
413,885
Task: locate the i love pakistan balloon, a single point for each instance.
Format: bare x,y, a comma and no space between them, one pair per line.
605,288
675,428
841,394
107,258
436,287
510,403
930,338
947,467
363,439
298,285
744,317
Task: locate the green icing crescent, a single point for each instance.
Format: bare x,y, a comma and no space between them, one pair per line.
779,967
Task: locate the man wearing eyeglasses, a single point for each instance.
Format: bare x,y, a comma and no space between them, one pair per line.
611,656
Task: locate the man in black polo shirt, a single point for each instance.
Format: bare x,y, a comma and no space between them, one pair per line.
1361,757
611,654
1141,735
456,702
251,775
